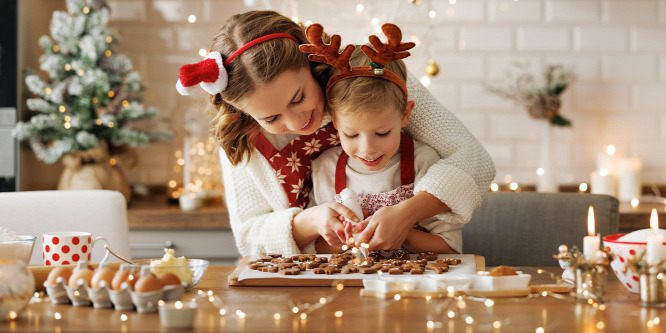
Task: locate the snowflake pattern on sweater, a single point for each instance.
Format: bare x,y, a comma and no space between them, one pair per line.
292,163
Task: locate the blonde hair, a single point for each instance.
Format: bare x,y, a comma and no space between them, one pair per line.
234,130
365,93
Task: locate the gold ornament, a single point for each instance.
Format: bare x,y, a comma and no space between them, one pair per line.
432,69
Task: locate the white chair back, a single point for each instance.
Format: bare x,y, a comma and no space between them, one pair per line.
99,212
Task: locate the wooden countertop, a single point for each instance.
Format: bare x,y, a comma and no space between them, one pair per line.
259,305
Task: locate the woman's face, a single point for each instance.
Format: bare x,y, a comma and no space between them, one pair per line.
293,103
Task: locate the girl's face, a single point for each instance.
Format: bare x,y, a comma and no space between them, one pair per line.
371,138
293,103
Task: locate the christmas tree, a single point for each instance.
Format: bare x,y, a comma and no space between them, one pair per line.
92,96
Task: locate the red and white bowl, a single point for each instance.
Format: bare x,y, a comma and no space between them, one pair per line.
622,251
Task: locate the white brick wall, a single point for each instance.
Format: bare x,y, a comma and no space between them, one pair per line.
618,48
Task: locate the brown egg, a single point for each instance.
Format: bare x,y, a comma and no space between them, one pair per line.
147,283
169,279
60,271
84,273
102,274
120,277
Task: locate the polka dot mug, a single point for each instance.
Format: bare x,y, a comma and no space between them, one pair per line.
67,247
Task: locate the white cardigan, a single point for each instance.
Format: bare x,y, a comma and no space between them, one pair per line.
259,211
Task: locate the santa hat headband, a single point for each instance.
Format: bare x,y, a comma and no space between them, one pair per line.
210,73
380,56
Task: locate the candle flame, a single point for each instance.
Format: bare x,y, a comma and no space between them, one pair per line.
654,220
590,221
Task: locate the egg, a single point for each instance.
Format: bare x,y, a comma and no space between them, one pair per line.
102,274
60,271
120,277
147,283
169,279
82,273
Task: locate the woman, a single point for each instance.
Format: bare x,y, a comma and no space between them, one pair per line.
270,123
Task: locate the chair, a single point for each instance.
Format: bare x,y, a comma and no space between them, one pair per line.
100,212
526,229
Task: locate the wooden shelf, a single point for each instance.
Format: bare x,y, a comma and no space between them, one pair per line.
156,212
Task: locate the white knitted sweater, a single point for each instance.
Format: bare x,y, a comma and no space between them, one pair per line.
259,211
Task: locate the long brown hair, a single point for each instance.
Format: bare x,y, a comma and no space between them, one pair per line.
234,130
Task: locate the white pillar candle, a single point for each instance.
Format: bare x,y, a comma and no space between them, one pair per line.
177,314
601,182
654,241
607,160
629,178
591,242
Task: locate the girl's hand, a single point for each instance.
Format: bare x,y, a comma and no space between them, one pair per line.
325,219
387,229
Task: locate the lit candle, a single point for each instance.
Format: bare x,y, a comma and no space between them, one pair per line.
177,314
629,178
602,182
591,242
654,241
607,160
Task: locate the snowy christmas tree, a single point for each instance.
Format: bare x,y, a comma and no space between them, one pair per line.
92,96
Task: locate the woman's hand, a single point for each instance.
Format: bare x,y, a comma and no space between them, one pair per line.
324,220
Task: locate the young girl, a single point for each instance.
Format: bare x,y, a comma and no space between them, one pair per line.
270,123
376,159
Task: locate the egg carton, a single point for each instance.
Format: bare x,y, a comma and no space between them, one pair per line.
124,299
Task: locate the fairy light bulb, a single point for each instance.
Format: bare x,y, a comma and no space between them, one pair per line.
304,315
276,316
192,18
494,187
338,314
583,187
360,8
107,53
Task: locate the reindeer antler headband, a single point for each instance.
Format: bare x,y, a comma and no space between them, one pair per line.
379,57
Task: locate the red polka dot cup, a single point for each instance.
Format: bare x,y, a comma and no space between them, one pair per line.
622,251
67,247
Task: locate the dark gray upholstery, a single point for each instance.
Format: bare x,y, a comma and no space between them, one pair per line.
525,229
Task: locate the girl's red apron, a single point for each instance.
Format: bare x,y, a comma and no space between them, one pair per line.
374,201
292,163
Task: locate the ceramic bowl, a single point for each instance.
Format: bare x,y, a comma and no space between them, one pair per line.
197,267
483,281
622,251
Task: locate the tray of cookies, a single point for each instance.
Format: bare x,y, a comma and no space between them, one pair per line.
346,268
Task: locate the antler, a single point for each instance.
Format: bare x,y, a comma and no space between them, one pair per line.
327,53
392,51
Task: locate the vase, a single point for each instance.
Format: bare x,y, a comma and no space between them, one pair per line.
547,178
93,169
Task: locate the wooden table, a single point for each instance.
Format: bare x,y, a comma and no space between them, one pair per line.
359,314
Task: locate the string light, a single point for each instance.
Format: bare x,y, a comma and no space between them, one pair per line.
80,72
123,317
107,53
109,39
56,48
240,314
494,187
338,314
68,67
359,8
634,202
540,171
304,315
86,10
582,187
192,18
276,316
203,52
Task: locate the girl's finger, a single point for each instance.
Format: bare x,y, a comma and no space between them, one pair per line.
367,233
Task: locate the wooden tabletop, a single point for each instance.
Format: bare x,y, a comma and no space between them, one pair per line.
259,305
